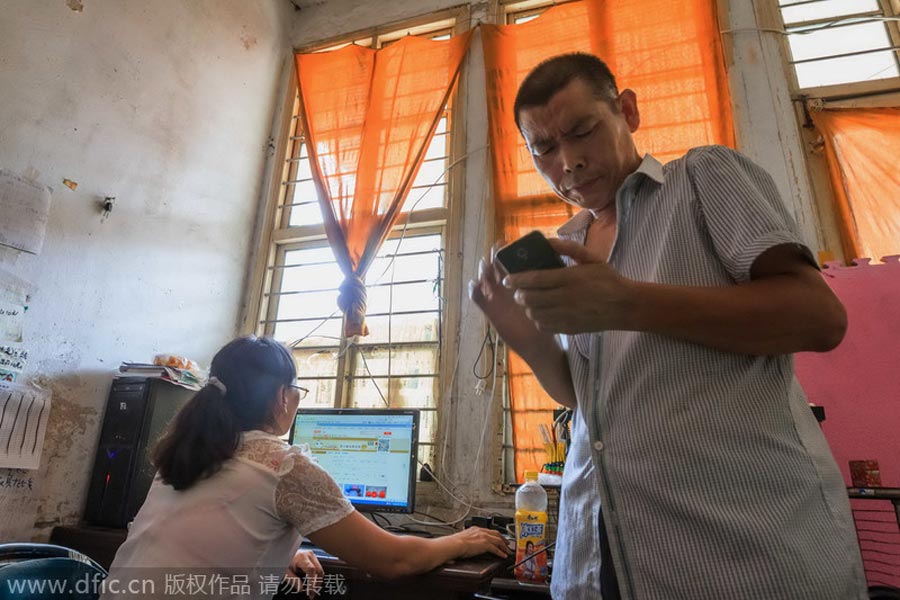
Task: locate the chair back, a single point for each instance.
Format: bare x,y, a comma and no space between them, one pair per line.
31,571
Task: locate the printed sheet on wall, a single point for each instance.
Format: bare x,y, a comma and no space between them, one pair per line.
24,412
24,210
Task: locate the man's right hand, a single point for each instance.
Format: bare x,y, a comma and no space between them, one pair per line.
538,348
497,303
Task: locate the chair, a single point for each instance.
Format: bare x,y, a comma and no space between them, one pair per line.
31,571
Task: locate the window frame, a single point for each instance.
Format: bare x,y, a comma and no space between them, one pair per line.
888,8
275,235
880,92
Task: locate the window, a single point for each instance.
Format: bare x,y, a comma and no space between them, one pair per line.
398,364
521,11
514,13
835,42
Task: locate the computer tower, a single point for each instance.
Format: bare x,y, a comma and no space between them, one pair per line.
137,412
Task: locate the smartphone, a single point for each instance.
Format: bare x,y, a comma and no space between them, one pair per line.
529,253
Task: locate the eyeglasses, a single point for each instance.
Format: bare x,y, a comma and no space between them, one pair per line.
303,391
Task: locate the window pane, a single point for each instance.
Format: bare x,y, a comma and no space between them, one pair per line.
312,304
431,172
834,38
868,67
426,454
365,392
414,392
427,428
525,18
839,40
403,361
304,171
304,195
437,148
311,277
404,268
410,243
324,334
422,198
316,363
404,328
824,9
306,214
406,297
321,393
315,254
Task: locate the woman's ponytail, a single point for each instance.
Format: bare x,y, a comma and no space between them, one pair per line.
203,435
239,397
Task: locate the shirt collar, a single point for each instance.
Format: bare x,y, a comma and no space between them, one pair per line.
649,167
257,434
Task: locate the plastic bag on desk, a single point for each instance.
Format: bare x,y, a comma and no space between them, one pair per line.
177,362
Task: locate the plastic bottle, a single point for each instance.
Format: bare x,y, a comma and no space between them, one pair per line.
531,530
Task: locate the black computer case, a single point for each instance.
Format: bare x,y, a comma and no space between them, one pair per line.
137,412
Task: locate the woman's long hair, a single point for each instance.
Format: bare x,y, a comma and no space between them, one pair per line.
245,376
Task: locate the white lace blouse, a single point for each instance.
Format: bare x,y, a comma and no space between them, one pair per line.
246,519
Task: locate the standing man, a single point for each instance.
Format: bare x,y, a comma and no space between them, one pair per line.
697,470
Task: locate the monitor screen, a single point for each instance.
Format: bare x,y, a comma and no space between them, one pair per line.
370,453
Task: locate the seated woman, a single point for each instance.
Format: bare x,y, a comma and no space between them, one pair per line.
231,497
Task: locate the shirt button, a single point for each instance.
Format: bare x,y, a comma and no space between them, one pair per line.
598,445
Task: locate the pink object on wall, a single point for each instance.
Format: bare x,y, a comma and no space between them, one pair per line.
858,383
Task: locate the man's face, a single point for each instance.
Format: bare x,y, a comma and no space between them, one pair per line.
581,144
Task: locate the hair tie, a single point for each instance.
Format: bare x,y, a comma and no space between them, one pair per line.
214,381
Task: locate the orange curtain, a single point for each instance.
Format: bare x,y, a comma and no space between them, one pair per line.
862,146
670,55
368,116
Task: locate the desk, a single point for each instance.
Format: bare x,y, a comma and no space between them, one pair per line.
453,581
458,580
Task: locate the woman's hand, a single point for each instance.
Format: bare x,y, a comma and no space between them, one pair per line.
306,566
476,540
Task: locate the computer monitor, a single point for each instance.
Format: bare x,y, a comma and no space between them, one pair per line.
370,453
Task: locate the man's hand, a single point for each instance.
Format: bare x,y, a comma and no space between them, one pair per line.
499,306
538,348
587,297
306,566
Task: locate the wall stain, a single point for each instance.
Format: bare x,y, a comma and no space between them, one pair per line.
67,430
75,5
248,40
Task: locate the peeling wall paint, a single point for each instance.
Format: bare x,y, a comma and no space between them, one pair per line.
165,106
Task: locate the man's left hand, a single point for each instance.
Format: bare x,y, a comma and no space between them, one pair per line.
586,297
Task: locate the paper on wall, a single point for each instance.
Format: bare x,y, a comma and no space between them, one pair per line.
24,208
23,423
12,321
12,359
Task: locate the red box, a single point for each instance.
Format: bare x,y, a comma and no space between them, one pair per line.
865,473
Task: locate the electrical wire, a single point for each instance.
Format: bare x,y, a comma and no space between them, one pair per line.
487,341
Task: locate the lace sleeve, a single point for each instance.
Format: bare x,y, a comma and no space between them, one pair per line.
307,497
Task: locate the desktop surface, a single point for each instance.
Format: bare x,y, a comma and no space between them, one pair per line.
452,581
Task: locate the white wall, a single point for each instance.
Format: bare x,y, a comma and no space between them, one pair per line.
166,105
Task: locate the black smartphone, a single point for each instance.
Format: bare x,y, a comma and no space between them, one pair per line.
529,253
